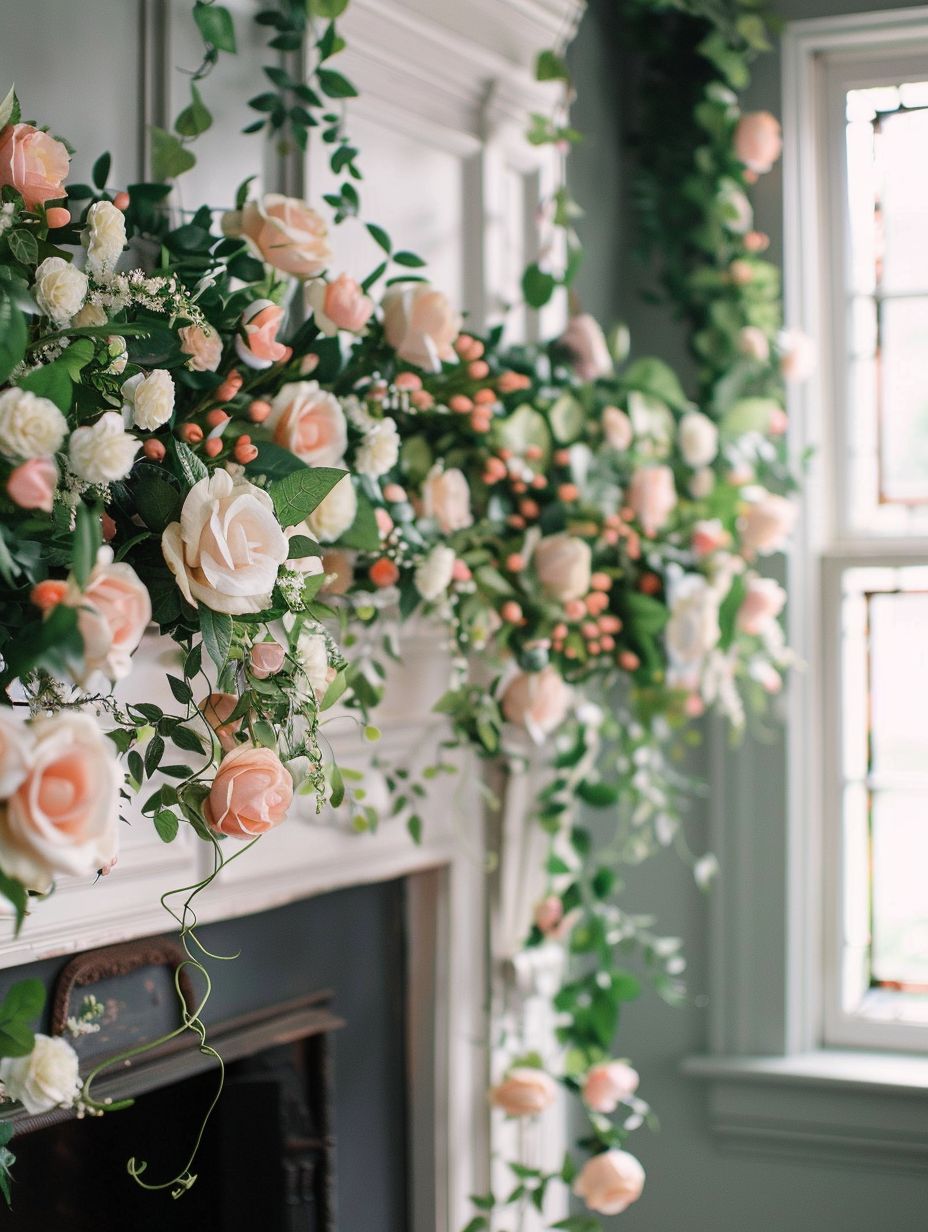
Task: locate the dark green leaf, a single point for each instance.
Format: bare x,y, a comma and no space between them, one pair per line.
23,246
169,157
299,493
166,824
86,543
537,285
334,85
13,336
215,25
216,628
101,171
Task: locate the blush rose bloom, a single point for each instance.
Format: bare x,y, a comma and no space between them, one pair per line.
524,1092
339,304
285,232
609,1183
310,423
63,817
217,709
609,1084
33,163
754,343
46,1078
113,612
763,601
652,497
250,795
266,659
32,484
564,565
227,547
589,353
420,324
766,524
446,498
257,344
204,346
758,141
537,701
708,536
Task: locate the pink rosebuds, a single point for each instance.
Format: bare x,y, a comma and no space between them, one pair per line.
258,410
511,612
229,387
121,200
57,217
154,450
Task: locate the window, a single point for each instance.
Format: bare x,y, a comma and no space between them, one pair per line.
873,549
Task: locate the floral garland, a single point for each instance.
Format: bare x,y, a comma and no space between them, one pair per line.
261,459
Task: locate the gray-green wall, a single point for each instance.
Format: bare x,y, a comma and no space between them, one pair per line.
692,1185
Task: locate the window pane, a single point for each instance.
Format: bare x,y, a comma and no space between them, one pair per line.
899,945
899,685
904,399
903,188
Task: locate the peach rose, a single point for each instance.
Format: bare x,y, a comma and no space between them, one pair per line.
524,1092
33,163
285,232
420,324
754,343
32,484
63,817
217,709
227,547
609,1084
652,497
585,341
563,564
251,793
610,1182
537,701
113,612
256,344
763,601
446,498
339,304
758,141
766,523
266,659
204,346
310,423
708,536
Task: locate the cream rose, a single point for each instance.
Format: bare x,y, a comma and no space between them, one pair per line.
90,314
310,423
285,232
250,795
114,610
609,1183
104,238
64,816
30,426
698,438
652,497
420,324
335,513
313,653
524,1092
45,1078
104,451
609,1084
584,340
379,452
766,523
758,141
564,565
33,163
693,628
537,701
204,346
60,289
617,428
340,304
149,400
227,547
446,499
434,572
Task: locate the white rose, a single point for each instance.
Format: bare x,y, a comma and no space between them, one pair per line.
44,1079
563,564
378,452
104,238
30,426
653,424
227,547
310,565
446,498
90,314
433,573
103,452
698,438
64,815
149,400
60,289
313,655
310,423
335,513
693,628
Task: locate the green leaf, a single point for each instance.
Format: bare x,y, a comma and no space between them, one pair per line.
192,467
334,85
101,171
216,628
15,892
409,259
7,1160
166,825
337,783
380,236
195,118
23,246
86,543
567,418
156,498
329,9
414,826
215,25
52,381
153,755
7,107
25,999
181,690
550,67
363,534
169,157
654,377
54,642
600,795
537,285
334,691
13,336
299,493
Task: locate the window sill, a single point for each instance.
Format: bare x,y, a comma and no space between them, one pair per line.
834,1106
